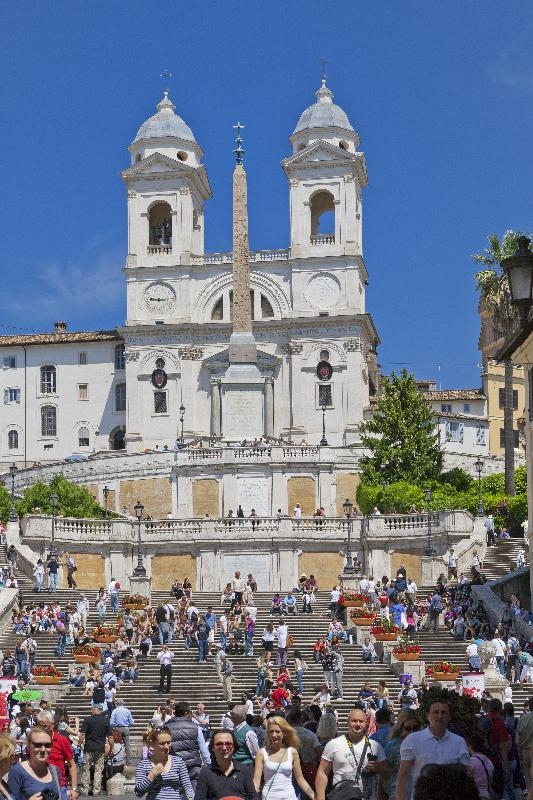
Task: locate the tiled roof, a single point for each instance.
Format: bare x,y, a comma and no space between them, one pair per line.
458,415
59,338
455,394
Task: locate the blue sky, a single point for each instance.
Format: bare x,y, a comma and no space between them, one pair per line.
441,94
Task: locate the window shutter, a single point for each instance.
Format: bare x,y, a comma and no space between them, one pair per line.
461,432
6,395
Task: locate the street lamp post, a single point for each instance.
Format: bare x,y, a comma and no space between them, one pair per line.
182,417
429,550
53,503
479,469
324,441
139,571
105,492
349,569
13,514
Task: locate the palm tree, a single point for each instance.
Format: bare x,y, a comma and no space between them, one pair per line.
495,297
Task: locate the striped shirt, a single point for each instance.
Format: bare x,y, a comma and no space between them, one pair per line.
166,786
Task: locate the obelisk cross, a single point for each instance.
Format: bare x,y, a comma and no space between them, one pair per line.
239,152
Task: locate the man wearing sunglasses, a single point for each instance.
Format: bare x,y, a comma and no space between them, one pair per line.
433,745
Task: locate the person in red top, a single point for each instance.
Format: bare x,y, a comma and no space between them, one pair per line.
499,742
280,696
61,754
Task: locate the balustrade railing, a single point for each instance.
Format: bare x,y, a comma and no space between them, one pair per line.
396,522
254,256
157,249
323,238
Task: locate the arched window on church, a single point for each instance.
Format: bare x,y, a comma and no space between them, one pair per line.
322,218
160,226
83,436
13,440
260,305
116,438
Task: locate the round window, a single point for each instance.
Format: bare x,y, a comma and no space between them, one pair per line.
160,363
324,355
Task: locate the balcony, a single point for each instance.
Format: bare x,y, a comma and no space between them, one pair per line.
159,249
323,238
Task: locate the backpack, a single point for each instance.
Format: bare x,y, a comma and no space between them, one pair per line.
435,606
194,617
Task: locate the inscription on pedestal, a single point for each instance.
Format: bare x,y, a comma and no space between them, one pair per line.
242,412
253,493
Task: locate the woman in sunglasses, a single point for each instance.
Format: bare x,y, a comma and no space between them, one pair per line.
35,778
225,777
406,722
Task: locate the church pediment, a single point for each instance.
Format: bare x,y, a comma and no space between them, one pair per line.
320,151
156,163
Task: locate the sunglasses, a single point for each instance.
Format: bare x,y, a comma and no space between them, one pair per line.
223,744
40,745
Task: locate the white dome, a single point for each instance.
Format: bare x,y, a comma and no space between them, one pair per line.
324,113
165,123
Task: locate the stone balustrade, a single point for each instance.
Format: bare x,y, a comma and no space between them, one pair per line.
158,249
395,522
323,238
255,256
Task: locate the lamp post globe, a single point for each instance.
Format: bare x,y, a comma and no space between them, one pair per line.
105,492
182,417
140,570
519,271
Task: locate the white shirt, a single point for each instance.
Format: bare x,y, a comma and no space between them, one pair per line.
452,560
281,635
363,586
500,648
165,657
423,748
344,759
335,594
412,588
297,511
471,650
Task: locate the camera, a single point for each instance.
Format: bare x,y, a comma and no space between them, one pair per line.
371,757
49,794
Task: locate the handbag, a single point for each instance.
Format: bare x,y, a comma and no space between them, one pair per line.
492,794
349,789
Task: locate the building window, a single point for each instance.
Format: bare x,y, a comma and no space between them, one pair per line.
82,359
48,379
10,362
466,408
48,421
11,396
501,398
160,402
446,407
325,394
13,440
324,355
516,440
455,432
160,363
120,356
83,391
120,397
480,435
83,437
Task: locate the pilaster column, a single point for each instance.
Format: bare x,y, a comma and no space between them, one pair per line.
269,406
215,407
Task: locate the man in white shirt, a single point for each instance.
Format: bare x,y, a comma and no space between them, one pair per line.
434,745
501,649
223,630
363,585
165,657
412,589
472,658
452,564
342,755
83,609
298,513
281,633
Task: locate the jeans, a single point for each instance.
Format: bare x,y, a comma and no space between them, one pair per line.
21,664
249,644
202,650
223,640
53,581
61,643
299,674
38,582
115,599
500,661
260,684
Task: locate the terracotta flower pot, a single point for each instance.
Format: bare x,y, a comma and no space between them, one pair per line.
106,639
363,621
407,656
46,679
445,676
385,637
86,659
135,607
354,603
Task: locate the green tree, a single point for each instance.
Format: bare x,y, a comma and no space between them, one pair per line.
494,292
5,503
401,436
73,500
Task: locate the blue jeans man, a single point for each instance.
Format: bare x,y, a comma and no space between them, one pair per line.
500,661
223,639
162,628
202,650
53,581
61,643
114,598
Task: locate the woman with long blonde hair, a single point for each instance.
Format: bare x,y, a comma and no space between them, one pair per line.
278,761
407,721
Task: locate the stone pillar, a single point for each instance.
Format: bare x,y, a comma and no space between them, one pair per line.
215,407
141,585
269,407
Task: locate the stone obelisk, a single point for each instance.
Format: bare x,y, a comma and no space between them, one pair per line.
242,385
242,348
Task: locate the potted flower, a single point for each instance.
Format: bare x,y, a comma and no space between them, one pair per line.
351,599
106,633
135,601
443,671
46,675
86,654
407,650
362,616
385,631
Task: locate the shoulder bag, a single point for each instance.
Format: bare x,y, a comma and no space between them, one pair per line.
492,794
348,789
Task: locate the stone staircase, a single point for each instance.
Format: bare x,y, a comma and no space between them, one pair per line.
198,682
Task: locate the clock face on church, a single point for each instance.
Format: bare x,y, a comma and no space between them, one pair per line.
159,298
